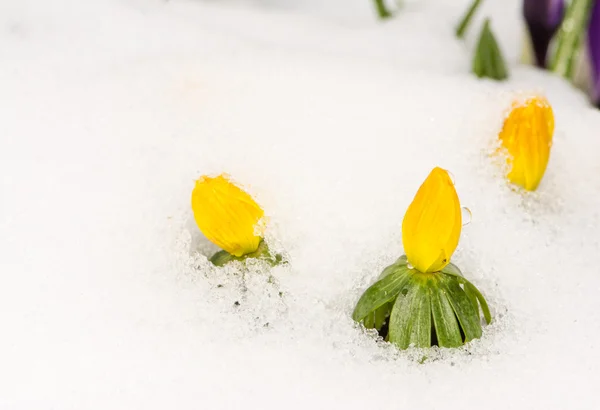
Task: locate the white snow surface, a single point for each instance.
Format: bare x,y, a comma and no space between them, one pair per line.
331,119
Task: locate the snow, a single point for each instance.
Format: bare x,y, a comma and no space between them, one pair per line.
331,119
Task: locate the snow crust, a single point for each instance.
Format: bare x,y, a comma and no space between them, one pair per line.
331,120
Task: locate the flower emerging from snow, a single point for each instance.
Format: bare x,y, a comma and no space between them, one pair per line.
432,223
527,137
543,18
423,299
227,215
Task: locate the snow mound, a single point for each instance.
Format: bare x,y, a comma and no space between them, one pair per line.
112,110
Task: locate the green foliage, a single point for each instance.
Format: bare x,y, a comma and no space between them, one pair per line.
221,258
488,61
382,10
569,37
423,309
466,20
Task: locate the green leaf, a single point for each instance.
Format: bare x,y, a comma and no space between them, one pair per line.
377,318
382,314
263,252
452,269
471,291
467,314
420,333
400,320
488,60
369,320
380,293
466,20
382,11
410,321
222,257
394,266
497,61
444,320
472,298
569,37
484,306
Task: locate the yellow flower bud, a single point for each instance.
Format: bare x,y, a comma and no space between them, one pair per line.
527,136
227,215
432,223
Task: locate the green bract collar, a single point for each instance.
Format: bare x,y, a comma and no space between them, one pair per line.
410,308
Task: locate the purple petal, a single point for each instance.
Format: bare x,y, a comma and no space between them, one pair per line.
594,50
543,17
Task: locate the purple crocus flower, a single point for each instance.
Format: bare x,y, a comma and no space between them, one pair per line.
594,51
543,18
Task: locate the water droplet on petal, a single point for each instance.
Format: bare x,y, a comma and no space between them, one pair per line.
409,266
466,215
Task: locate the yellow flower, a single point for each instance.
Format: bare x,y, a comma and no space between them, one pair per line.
527,136
226,215
432,223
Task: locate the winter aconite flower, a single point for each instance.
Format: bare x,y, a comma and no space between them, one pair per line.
227,215
527,138
432,223
422,299
230,218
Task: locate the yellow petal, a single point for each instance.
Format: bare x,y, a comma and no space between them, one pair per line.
226,215
527,136
432,223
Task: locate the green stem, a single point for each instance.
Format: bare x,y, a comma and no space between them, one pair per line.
466,20
382,11
569,37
